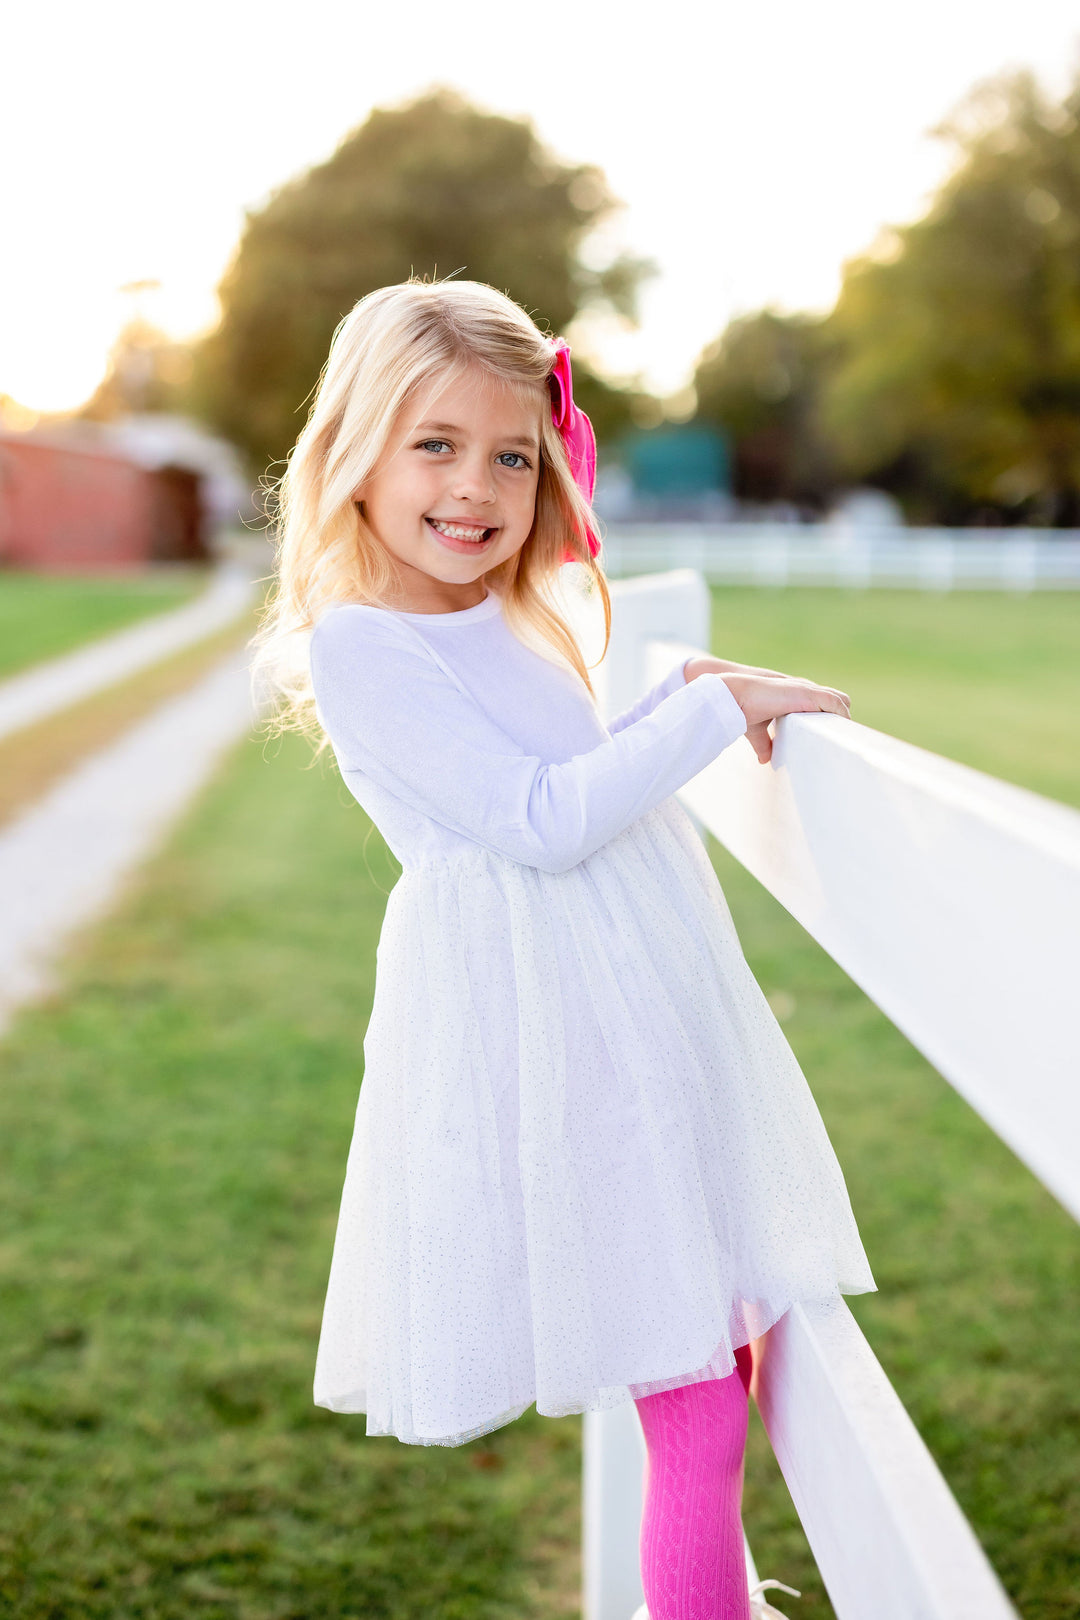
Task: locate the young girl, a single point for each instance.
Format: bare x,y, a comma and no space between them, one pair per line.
586,1166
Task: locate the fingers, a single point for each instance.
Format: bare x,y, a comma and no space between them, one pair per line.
839,702
763,698
760,741
828,699
834,691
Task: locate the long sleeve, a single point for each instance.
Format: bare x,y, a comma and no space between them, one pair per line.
393,712
645,704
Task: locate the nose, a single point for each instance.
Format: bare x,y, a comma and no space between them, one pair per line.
474,479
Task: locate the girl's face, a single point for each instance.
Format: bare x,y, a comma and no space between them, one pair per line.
456,494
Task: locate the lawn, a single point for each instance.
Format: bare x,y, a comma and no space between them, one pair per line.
43,615
175,1129
33,759
986,677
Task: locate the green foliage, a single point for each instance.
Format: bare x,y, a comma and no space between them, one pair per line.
959,376
147,371
432,188
760,381
612,411
949,370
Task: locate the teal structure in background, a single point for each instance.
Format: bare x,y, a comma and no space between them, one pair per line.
676,463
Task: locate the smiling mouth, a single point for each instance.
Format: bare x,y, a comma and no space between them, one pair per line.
461,531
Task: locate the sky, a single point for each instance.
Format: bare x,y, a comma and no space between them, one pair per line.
756,147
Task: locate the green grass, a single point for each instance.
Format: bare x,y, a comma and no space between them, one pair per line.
175,1131
175,1128
985,677
43,615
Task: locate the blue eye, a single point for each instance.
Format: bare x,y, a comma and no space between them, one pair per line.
429,444
513,456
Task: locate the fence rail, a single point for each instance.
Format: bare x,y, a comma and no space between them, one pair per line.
952,899
792,554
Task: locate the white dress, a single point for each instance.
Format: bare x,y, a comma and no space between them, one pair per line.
586,1164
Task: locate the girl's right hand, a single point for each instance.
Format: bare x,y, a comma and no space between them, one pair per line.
763,698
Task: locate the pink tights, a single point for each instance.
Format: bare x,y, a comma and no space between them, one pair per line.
692,1564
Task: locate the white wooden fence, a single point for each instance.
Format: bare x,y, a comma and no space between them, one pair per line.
952,899
824,554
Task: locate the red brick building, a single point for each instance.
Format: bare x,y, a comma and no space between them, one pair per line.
71,506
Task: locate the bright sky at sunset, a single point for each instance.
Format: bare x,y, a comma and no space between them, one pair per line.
756,146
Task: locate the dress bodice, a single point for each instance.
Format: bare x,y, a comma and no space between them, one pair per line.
451,731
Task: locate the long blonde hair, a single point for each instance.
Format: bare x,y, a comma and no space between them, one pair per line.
392,341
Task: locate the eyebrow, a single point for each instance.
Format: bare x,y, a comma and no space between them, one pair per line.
451,427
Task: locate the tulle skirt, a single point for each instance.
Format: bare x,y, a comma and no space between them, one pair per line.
586,1165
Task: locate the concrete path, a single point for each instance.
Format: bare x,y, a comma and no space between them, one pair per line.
63,860
47,688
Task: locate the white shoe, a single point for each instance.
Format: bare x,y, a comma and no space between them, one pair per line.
760,1609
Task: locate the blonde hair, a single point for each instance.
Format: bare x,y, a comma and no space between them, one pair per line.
391,342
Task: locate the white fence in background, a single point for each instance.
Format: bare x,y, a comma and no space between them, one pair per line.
952,899
780,554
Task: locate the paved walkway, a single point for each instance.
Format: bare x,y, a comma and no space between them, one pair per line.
63,860
47,688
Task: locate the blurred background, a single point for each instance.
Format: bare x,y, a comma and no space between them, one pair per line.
795,253
820,269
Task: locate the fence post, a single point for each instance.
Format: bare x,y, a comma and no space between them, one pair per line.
1020,557
614,1463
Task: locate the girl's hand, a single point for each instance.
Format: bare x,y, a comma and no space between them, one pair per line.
763,698
724,666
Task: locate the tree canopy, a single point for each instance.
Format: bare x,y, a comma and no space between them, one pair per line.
959,348
949,370
760,382
430,188
147,371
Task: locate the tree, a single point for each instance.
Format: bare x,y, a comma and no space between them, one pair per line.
147,371
957,381
760,382
433,187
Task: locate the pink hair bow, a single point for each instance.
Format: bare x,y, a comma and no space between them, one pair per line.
576,432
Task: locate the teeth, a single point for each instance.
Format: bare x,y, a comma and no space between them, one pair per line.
456,531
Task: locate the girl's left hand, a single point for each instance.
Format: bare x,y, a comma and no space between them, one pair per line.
758,735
